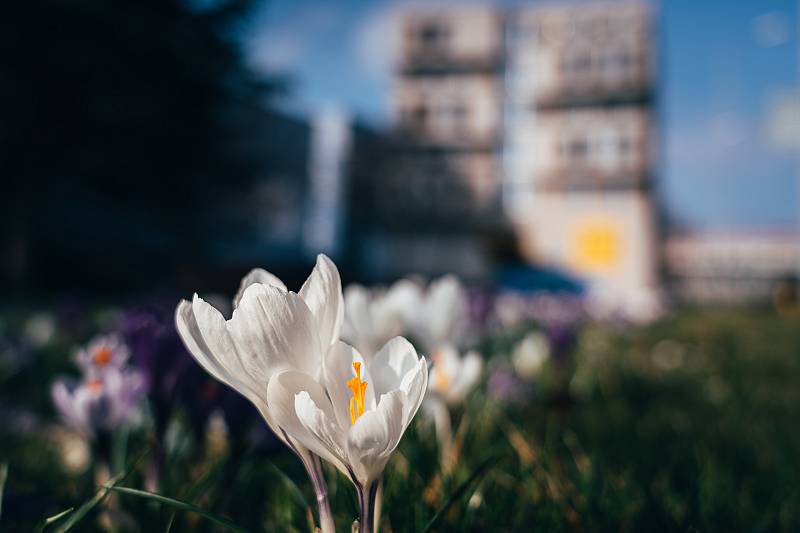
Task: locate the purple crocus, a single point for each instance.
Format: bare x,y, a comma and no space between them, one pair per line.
104,351
102,401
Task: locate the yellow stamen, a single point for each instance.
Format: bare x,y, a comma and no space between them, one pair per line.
359,388
102,356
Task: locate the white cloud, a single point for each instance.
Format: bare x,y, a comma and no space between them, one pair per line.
771,29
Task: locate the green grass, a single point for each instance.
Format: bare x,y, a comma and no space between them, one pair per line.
689,424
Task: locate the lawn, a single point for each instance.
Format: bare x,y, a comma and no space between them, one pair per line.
686,424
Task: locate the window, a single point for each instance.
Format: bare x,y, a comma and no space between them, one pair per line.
432,35
452,118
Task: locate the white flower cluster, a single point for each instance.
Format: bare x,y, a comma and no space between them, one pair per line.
282,351
435,317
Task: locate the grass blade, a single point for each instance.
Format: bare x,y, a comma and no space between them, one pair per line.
99,496
456,494
51,519
197,489
3,478
294,489
184,506
84,509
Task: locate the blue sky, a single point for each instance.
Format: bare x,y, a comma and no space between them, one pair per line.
723,62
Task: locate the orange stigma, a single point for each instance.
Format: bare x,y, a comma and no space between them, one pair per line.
359,388
94,385
102,356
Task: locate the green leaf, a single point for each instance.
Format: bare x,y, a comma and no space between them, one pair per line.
184,506
197,489
294,489
456,494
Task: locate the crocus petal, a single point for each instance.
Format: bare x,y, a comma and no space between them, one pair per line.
317,418
357,328
375,435
257,275
414,385
62,398
468,375
282,390
273,331
63,394
87,407
445,311
322,292
337,371
391,363
212,347
449,361
405,297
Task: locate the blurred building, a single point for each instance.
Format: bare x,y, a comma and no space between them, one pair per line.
730,267
578,145
542,117
441,187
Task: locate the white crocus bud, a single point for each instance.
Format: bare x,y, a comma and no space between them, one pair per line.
530,355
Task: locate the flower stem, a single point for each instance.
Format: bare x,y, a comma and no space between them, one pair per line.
378,503
326,523
366,500
444,435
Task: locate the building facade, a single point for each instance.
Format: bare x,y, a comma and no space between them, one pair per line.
730,267
441,187
578,146
543,115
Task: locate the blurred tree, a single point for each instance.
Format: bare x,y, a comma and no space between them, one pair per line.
114,134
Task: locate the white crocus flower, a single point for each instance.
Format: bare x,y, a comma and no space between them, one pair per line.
372,317
272,330
356,413
530,355
434,315
437,317
452,377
